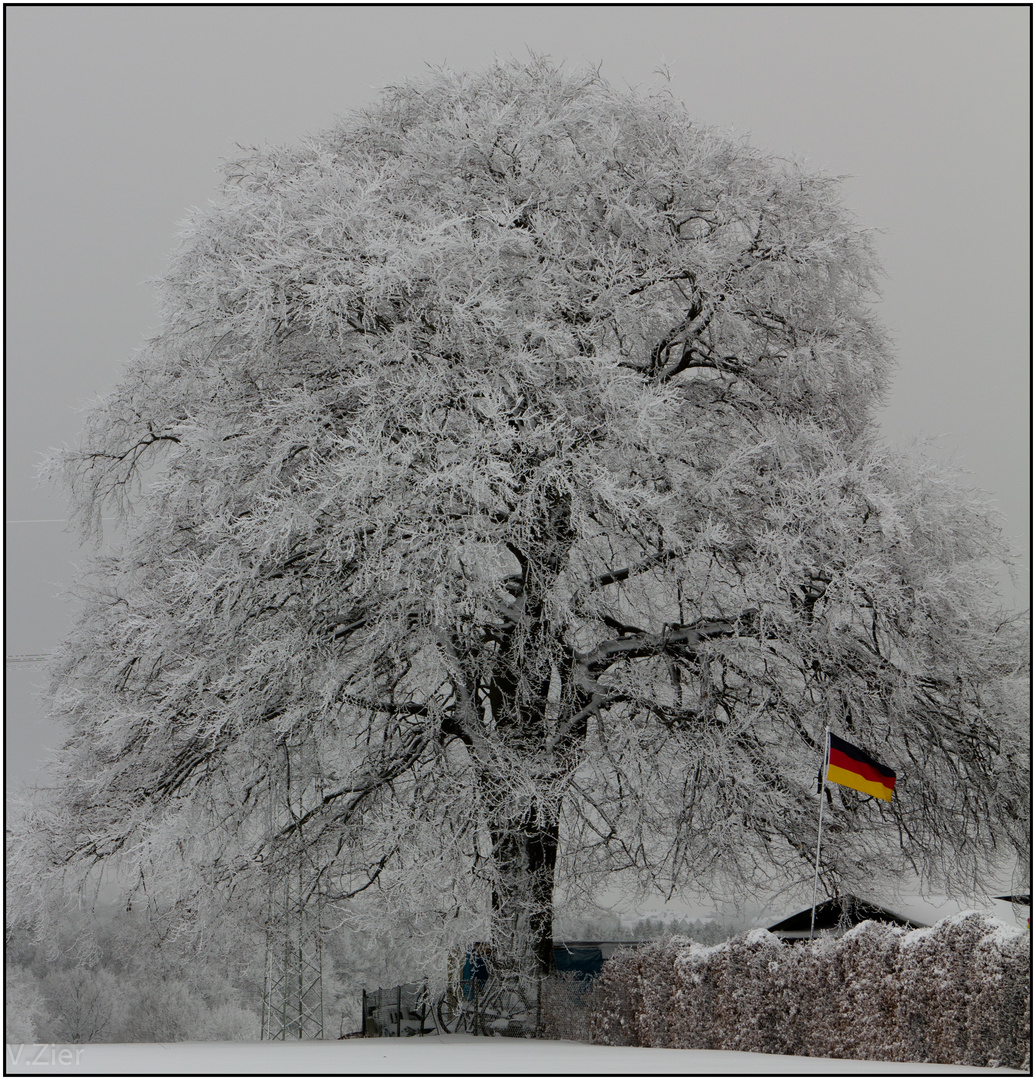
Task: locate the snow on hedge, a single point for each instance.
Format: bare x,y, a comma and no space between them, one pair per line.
955,993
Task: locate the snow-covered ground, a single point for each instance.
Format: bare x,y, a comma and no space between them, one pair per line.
449,1055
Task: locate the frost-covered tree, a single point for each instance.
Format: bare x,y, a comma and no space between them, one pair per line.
23,1004
504,476
116,975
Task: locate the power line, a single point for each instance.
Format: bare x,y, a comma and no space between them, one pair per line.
27,658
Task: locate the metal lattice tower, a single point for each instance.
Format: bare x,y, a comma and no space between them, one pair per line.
293,1005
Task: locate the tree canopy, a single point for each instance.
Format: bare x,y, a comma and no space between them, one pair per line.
503,506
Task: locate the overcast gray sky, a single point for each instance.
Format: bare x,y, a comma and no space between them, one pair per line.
117,118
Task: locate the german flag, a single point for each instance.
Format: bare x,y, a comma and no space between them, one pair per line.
851,767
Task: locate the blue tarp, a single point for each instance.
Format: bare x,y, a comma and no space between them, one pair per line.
585,963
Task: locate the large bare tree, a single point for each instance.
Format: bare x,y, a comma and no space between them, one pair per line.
503,503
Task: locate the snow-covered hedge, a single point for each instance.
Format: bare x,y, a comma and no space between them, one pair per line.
957,993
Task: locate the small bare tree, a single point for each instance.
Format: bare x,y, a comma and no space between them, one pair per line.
85,1005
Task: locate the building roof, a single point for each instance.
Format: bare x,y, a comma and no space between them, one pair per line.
839,913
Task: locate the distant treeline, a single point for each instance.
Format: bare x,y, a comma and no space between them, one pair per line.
604,926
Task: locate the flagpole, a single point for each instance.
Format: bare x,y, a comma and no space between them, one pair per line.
820,826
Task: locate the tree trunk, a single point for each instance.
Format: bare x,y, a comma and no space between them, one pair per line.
523,817
525,850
